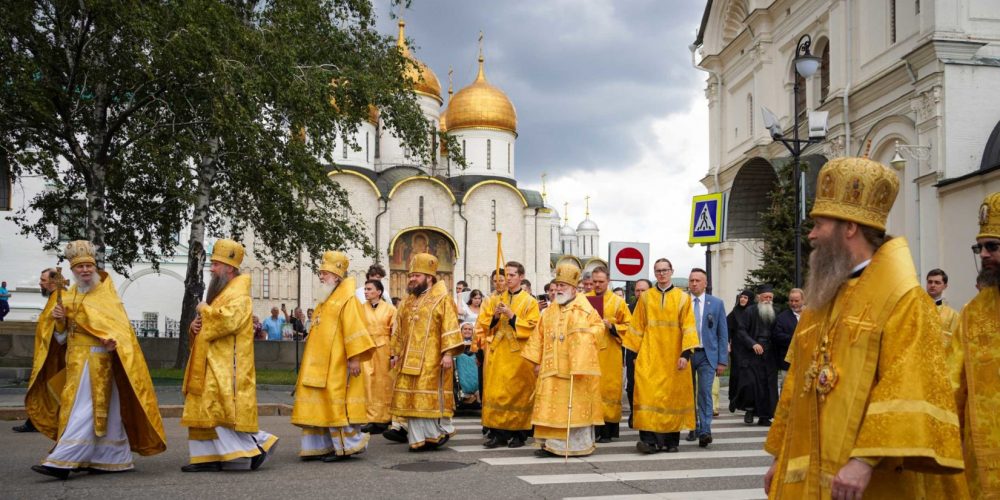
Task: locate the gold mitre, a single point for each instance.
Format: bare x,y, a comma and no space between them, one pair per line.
228,252
856,190
567,273
424,263
335,262
80,252
989,217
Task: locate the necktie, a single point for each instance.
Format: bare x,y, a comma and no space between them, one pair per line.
697,314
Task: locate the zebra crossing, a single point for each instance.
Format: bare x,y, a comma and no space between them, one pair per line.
731,468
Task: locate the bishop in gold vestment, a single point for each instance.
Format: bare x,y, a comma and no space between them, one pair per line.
379,316
107,405
508,319
975,363
865,408
663,336
609,343
564,348
220,381
330,394
426,338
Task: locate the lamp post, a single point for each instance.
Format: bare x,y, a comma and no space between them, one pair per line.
806,66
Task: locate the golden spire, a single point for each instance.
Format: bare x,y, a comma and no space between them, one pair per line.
544,175
451,89
480,44
586,199
401,40
566,212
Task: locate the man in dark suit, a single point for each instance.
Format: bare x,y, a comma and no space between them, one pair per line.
782,330
711,358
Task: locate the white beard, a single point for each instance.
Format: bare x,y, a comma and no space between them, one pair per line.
766,312
85,286
564,298
326,289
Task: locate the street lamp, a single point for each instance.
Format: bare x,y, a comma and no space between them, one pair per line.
806,66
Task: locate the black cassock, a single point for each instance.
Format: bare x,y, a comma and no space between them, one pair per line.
756,385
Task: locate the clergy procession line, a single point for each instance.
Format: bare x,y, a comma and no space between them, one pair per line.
877,398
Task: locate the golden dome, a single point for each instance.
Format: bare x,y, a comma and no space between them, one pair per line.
481,105
425,81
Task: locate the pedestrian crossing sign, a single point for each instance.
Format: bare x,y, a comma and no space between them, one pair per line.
706,219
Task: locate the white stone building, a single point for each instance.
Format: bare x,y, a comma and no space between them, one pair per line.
920,73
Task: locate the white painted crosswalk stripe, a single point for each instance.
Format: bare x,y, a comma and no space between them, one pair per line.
630,457
652,475
614,444
469,436
751,494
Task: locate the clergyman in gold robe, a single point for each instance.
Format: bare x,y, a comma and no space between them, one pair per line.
330,394
565,354
508,319
46,370
426,338
378,315
937,283
975,362
220,381
609,342
663,336
107,406
866,409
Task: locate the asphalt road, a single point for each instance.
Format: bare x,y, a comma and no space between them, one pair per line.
731,468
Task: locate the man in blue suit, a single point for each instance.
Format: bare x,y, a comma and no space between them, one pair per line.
711,358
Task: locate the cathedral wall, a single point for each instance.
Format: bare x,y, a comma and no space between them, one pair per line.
490,209
487,152
365,203
391,151
364,137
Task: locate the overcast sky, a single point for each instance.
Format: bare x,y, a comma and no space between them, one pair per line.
607,103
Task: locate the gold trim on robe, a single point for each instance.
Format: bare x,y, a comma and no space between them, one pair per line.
508,379
47,374
610,345
376,367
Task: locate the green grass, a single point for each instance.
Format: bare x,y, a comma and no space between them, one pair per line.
173,376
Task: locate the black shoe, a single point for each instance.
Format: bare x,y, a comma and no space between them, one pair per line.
543,453
397,435
672,449
515,443
334,457
764,422
704,440
374,428
603,439
645,447
690,436
205,467
443,441
27,426
748,418
256,462
51,471
493,443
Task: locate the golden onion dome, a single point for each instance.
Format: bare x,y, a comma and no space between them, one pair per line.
424,80
481,105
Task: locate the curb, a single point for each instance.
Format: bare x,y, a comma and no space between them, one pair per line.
166,411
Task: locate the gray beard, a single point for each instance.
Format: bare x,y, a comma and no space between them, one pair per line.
766,312
215,287
84,286
829,267
564,298
326,290
989,276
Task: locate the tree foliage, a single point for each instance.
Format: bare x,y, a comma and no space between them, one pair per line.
778,226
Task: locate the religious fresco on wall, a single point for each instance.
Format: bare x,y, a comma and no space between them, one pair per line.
417,241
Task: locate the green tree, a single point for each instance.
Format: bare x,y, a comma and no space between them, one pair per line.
778,226
221,115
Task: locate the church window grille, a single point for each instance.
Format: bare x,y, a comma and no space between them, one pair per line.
345,147
463,147
824,74
421,211
892,22
6,185
267,283
750,114
377,148
489,154
916,6
256,283
493,216
508,157
366,148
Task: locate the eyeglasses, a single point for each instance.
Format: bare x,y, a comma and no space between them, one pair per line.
990,246
661,271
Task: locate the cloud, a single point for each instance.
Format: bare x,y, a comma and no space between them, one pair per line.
648,200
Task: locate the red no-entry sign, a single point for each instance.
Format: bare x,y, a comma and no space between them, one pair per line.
629,261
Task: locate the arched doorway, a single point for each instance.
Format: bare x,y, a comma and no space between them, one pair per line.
748,198
409,242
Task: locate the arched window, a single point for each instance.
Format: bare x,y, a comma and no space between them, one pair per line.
493,216
824,74
508,157
750,124
377,135
266,282
420,212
